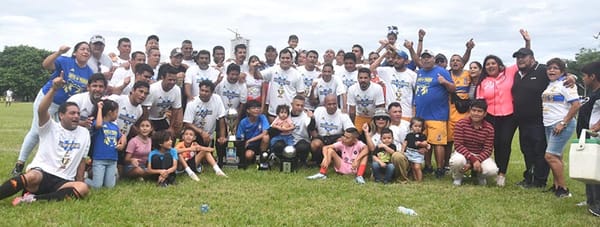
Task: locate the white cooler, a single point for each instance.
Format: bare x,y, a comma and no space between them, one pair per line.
584,159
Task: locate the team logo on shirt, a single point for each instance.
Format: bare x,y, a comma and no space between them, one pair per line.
69,145
348,82
364,101
281,81
231,94
329,127
324,91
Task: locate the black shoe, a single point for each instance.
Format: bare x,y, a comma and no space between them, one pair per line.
427,170
562,193
439,173
18,170
594,210
524,184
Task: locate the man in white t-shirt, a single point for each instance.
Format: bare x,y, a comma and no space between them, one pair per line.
100,62
233,94
164,96
124,77
218,58
87,101
304,130
284,82
130,108
240,52
204,114
347,75
399,81
57,164
124,47
309,73
9,97
187,49
197,73
153,59
330,123
326,85
363,98
400,128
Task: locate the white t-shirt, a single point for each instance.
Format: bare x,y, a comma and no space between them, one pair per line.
189,63
556,101
400,87
283,86
334,86
347,78
233,94
595,116
254,87
61,151
328,125
119,77
205,114
84,101
104,60
307,78
301,130
400,132
161,101
365,101
128,113
194,75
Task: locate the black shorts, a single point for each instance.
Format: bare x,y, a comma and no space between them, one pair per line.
49,183
255,146
191,163
160,125
328,140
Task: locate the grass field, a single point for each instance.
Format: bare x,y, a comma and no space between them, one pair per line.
271,198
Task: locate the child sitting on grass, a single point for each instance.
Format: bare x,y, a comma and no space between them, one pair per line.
252,132
192,154
382,157
353,160
137,150
162,160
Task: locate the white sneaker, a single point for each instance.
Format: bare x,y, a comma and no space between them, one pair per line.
457,182
501,181
581,204
360,180
194,177
221,174
317,176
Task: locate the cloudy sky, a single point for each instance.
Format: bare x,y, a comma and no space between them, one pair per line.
558,28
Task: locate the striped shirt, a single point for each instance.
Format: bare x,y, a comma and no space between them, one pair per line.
474,143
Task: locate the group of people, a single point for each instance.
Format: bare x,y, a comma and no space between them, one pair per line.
121,115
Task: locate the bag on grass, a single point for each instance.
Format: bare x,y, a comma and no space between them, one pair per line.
584,159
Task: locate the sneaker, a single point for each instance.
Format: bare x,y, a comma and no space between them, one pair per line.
18,170
457,182
194,177
481,180
26,198
562,193
221,174
359,180
500,181
594,211
427,170
317,176
439,173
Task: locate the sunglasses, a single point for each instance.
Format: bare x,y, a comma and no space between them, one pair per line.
380,118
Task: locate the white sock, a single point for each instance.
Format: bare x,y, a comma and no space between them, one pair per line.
217,169
189,171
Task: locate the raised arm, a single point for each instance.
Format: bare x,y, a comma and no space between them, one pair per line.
43,114
413,55
99,119
470,44
420,43
48,62
526,37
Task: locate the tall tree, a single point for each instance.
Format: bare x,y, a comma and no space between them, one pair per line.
21,70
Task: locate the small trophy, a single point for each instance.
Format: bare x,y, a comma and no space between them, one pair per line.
231,158
289,160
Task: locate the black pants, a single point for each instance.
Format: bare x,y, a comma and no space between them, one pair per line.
592,192
532,138
504,130
302,149
163,162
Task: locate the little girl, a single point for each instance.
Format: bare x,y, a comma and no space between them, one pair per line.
137,150
284,125
106,140
191,154
162,160
411,146
382,157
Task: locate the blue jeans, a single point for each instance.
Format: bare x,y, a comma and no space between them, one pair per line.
377,171
104,173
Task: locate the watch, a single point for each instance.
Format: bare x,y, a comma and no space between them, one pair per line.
563,123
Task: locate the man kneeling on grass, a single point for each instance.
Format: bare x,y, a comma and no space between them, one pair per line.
473,144
60,158
353,158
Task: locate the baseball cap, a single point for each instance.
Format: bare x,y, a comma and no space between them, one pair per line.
439,57
381,112
402,54
523,52
176,51
96,39
428,52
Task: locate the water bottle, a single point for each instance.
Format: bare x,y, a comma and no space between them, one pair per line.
407,211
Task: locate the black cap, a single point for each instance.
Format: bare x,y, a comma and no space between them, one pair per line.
523,52
270,48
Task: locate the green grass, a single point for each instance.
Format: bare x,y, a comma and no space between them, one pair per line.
271,198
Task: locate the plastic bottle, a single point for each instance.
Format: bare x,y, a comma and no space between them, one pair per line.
407,211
